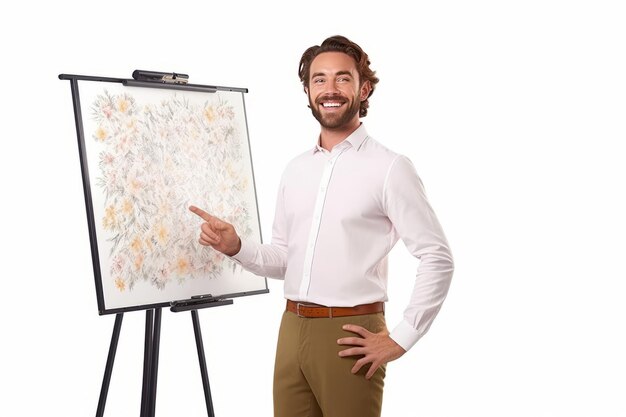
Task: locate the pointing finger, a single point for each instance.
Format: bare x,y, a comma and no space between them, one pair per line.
198,211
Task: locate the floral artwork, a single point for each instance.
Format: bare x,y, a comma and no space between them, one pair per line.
156,156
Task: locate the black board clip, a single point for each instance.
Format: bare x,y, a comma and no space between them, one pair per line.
162,77
198,302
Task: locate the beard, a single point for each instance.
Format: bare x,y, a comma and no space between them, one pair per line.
338,119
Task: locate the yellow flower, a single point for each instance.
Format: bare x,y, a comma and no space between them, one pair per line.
122,105
209,113
135,245
110,220
162,234
230,169
120,284
134,185
149,245
164,209
182,265
127,207
243,184
101,134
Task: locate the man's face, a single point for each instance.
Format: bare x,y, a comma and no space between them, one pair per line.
334,93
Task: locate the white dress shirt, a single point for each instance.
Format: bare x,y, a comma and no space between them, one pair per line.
338,214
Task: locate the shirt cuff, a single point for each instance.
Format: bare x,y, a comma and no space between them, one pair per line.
405,335
246,252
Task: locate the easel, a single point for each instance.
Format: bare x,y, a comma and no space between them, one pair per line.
151,355
148,79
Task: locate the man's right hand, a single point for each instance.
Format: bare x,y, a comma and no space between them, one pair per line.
217,233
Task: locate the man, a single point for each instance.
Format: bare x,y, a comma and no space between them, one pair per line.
341,208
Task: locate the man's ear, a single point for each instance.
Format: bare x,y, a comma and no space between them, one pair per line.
366,89
306,91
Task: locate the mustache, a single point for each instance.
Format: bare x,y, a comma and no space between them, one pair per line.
335,97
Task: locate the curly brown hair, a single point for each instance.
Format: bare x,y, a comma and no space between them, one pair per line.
340,44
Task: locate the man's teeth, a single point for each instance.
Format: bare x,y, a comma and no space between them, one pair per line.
331,104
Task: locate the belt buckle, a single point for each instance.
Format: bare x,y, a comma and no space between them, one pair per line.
298,310
330,310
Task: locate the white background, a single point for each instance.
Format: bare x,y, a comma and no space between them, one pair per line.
513,113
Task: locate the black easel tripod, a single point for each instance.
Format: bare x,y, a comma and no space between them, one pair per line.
151,356
154,80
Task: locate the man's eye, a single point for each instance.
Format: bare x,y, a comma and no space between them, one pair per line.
318,80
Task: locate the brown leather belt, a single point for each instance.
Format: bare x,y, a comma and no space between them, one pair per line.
309,310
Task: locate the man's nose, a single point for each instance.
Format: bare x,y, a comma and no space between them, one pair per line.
331,87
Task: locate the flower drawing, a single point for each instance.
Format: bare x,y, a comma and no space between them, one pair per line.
156,159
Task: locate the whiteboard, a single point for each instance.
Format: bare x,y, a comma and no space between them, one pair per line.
147,154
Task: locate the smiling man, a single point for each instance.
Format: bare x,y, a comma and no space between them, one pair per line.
341,208
334,94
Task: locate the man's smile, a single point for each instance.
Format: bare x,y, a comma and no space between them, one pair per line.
331,103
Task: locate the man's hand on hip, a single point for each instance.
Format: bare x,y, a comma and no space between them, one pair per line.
376,348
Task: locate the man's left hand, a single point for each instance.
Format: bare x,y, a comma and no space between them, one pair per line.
376,348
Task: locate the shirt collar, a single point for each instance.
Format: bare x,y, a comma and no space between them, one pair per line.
355,139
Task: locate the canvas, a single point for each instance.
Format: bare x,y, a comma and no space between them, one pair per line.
148,154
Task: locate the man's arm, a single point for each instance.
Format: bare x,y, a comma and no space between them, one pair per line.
417,225
268,260
415,222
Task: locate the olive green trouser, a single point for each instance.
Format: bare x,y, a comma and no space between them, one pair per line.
311,380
